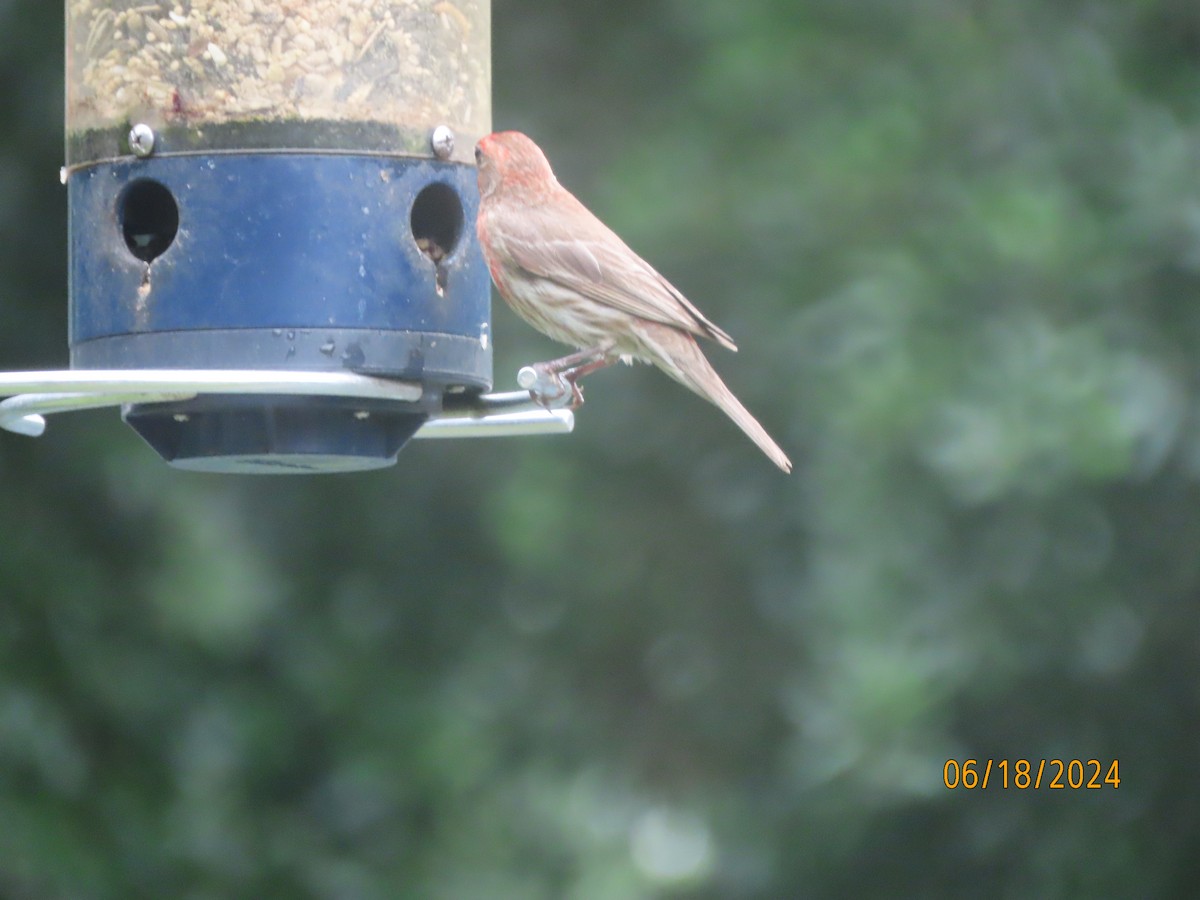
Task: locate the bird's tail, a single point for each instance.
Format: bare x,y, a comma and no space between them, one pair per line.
681,357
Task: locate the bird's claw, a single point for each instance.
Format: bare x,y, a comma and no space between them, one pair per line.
576,393
549,388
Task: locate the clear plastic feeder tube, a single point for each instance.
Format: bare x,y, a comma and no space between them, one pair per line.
371,76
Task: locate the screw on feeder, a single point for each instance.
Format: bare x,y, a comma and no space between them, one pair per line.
442,141
141,140
527,377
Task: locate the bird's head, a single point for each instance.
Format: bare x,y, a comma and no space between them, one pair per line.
510,159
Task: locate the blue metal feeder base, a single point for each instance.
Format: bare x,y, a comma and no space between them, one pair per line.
275,435
280,261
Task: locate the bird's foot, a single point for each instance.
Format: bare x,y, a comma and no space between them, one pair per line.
576,391
550,388
549,383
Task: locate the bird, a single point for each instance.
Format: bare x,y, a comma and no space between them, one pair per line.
572,278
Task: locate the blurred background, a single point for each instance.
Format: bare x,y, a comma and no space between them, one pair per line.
959,246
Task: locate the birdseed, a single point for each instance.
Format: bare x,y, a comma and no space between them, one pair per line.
412,64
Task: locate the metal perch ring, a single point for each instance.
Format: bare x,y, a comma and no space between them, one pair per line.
33,395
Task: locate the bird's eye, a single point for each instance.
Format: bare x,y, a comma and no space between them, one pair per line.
478,156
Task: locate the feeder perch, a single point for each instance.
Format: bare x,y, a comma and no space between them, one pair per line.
273,265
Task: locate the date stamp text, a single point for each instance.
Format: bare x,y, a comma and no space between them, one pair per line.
1031,774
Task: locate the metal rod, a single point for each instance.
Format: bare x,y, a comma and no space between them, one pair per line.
24,414
209,381
499,424
38,394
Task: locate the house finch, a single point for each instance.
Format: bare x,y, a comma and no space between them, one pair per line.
569,276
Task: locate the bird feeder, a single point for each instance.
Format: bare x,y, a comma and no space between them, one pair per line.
271,219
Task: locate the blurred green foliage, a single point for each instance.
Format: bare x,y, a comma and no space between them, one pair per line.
959,245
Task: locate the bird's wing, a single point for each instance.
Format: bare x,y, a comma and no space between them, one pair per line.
581,253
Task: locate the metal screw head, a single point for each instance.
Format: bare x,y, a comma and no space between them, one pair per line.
141,139
527,377
442,141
